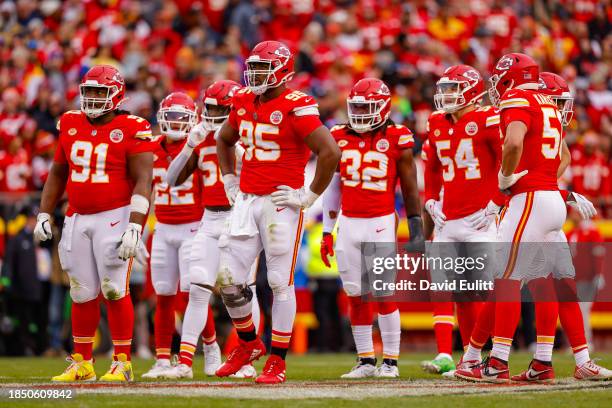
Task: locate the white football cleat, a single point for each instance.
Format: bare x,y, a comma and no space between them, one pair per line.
592,372
387,371
247,371
360,371
159,368
179,371
212,358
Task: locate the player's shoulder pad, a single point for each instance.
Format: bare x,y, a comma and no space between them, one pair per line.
67,117
402,133
140,127
425,150
337,130
514,98
302,104
241,95
489,115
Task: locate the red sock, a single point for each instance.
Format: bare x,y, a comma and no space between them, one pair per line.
546,314
85,319
507,307
484,325
570,314
384,308
180,302
209,334
467,314
164,326
360,312
444,321
121,323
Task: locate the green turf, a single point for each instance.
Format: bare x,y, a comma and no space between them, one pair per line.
312,367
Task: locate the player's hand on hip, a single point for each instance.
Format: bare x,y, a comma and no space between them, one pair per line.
231,184
327,248
130,241
505,182
300,198
42,230
196,135
482,219
434,208
582,205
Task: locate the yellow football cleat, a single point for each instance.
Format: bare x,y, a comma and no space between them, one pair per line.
78,370
120,370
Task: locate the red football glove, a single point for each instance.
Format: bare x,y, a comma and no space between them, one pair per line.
327,248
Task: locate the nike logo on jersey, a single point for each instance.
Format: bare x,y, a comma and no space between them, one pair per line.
114,223
193,230
279,209
380,230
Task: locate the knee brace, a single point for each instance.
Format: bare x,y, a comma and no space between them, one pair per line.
112,291
235,296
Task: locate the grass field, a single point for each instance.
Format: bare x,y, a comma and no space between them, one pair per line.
312,380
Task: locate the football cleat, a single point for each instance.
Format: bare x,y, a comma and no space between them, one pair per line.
387,371
273,372
361,370
120,370
78,370
179,371
463,365
159,368
490,370
536,373
247,371
441,364
212,358
244,353
592,372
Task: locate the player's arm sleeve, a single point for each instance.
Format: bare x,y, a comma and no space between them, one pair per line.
331,203
432,175
514,114
178,164
306,120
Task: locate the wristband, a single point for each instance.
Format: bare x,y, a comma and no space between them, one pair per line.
139,204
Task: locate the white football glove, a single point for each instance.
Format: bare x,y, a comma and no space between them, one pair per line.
196,135
582,205
482,219
300,198
42,231
231,183
505,182
434,208
130,240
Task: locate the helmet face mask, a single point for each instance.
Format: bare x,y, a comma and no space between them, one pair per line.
494,92
365,115
259,76
176,122
449,95
459,87
565,104
558,90
97,99
214,115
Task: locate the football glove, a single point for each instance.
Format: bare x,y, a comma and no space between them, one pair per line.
196,135
130,240
482,219
232,187
42,231
327,248
300,198
434,208
582,205
505,182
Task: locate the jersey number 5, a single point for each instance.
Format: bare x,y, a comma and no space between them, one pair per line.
551,150
464,159
252,135
81,154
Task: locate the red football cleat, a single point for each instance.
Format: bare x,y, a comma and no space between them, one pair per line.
244,353
491,370
273,372
537,373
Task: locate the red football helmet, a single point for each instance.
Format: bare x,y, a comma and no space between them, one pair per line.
176,115
269,65
102,90
558,89
217,101
368,105
460,86
513,70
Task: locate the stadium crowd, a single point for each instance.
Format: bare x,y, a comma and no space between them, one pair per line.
182,45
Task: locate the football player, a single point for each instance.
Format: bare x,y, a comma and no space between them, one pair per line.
531,128
564,273
375,154
104,162
278,127
465,147
199,155
178,210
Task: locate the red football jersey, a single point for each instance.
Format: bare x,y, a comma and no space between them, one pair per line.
542,144
180,204
213,192
15,171
368,168
96,155
590,173
272,133
466,157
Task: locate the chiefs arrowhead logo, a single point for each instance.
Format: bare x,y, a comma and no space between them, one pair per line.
504,63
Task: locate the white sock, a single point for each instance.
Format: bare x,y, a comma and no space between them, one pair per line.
472,353
391,334
283,315
363,341
256,313
544,349
582,357
501,348
195,314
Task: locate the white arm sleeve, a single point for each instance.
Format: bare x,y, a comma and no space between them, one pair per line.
331,203
177,165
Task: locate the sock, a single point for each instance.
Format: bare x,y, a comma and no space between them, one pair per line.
546,313
390,330
443,323
283,316
121,323
361,316
255,312
467,314
194,321
209,334
241,316
571,319
508,314
186,352
85,319
164,326
481,332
